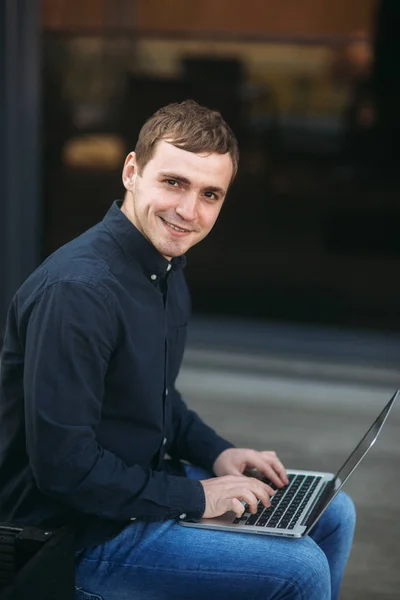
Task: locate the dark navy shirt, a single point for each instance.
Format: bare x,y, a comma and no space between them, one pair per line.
88,404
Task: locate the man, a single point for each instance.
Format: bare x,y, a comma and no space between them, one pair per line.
89,409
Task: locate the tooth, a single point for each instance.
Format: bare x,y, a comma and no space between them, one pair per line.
175,227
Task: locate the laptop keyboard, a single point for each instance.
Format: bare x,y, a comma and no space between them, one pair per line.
286,505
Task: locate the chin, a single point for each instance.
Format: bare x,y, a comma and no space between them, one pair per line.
168,252
173,253
173,250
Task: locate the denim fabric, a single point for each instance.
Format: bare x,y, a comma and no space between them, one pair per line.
164,561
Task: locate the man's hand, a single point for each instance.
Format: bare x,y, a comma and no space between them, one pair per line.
224,493
235,461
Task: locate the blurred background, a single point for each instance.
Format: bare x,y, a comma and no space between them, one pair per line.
295,337
311,89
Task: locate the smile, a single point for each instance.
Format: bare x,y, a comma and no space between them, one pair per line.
175,227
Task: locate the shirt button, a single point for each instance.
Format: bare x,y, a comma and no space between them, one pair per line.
169,267
166,392
182,516
164,441
132,519
153,277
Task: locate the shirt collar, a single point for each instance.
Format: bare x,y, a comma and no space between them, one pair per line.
139,249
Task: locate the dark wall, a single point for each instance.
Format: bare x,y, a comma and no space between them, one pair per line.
19,145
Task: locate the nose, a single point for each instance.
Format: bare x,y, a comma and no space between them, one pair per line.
187,207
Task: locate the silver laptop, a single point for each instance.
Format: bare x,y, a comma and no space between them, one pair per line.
296,508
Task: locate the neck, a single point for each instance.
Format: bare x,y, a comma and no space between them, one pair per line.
127,208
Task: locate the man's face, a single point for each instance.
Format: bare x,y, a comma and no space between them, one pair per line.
176,199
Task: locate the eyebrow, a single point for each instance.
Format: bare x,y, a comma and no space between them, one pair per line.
182,179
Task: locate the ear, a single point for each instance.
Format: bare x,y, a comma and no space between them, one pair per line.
129,171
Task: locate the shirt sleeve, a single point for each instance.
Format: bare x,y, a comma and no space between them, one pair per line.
71,336
193,440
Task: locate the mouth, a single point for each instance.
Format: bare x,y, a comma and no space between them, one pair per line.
175,229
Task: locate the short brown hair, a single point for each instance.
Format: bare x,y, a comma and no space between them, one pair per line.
190,127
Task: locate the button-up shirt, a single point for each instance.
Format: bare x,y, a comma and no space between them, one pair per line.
88,405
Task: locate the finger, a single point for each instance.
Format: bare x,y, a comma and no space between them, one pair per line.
262,491
249,498
278,467
271,466
237,507
237,487
261,461
274,477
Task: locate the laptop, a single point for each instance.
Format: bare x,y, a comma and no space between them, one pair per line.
297,507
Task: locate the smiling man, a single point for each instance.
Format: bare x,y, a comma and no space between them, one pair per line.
93,432
175,199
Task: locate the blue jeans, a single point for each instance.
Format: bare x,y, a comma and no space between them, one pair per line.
164,561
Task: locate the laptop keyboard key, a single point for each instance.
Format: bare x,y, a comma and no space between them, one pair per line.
286,505
252,519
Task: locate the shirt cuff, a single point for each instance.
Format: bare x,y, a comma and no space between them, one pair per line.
187,497
218,447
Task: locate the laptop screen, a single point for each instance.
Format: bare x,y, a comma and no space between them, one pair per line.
333,487
365,444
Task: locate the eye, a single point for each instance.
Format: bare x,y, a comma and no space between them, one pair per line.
172,182
211,195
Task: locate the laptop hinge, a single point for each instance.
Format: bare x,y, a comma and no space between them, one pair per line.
324,495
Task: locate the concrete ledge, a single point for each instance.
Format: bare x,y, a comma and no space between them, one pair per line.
230,386
315,369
